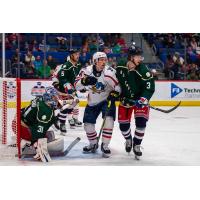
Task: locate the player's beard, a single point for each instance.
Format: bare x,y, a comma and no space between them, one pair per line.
72,58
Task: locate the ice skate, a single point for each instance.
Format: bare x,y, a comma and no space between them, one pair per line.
77,122
128,145
71,123
91,148
105,150
137,151
63,130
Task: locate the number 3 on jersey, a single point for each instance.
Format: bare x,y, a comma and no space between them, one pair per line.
148,85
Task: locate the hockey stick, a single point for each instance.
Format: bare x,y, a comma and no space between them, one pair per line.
133,102
103,123
167,111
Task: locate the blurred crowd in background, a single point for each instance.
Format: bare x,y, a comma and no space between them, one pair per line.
36,55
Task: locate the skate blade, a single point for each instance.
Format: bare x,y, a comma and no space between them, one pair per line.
63,134
78,125
105,155
72,127
137,157
89,152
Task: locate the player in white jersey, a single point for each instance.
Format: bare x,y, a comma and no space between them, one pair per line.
101,82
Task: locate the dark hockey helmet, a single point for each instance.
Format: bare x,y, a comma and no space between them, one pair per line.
71,51
134,50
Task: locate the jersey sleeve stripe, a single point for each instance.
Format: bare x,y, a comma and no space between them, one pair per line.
115,81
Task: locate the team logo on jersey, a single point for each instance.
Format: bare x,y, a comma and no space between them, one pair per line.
175,90
11,90
98,88
148,74
38,90
44,117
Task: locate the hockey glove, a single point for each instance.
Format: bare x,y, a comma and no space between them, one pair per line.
88,80
127,101
56,85
113,96
142,102
69,89
83,91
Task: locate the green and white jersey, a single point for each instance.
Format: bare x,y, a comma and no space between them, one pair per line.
39,117
67,74
136,83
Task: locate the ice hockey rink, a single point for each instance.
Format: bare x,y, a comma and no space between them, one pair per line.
171,140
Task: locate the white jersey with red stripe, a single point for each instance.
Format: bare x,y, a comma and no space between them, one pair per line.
55,73
106,83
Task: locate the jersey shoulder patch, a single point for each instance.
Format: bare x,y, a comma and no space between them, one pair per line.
144,72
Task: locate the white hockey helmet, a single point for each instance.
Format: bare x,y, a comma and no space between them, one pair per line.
98,55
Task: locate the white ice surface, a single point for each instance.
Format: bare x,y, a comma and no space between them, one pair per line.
170,139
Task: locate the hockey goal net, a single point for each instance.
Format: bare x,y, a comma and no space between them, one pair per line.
10,106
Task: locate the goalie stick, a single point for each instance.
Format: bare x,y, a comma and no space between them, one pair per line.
72,144
57,154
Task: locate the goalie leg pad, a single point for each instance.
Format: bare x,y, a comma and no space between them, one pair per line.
56,146
42,151
50,136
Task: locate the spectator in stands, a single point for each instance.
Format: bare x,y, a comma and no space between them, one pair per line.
193,44
84,58
107,50
121,41
178,65
29,66
116,48
13,40
33,46
8,45
168,40
51,62
62,45
45,70
100,41
29,58
168,65
193,72
37,63
42,46
93,46
16,57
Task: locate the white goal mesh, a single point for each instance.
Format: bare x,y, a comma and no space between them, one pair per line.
10,105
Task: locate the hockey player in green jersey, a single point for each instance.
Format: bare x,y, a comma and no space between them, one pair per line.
36,119
63,81
137,85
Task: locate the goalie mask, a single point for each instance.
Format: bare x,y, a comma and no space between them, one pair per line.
51,97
